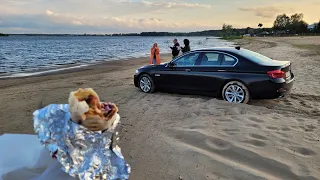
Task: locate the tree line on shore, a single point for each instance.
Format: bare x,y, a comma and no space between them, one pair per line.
1,34
283,24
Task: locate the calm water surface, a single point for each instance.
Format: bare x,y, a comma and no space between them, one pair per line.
20,54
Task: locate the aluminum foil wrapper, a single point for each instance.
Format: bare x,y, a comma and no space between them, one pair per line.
84,154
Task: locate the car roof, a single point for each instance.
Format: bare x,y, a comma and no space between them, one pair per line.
227,49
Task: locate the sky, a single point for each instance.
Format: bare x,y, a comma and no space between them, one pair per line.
124,16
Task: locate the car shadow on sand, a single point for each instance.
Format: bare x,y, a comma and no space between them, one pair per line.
295,103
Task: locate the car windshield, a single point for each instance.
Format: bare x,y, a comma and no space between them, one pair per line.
255,57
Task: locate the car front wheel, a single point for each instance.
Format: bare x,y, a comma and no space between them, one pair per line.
236,92
146,84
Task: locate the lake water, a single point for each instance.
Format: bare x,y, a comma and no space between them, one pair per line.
20,54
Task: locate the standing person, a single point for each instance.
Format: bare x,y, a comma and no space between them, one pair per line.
186,47
155,54
175,49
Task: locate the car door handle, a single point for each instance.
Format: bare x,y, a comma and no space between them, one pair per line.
221,70
188,70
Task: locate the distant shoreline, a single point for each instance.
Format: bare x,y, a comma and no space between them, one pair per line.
102,35
168,35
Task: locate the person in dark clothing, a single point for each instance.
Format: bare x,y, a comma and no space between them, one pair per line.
186,47
175,49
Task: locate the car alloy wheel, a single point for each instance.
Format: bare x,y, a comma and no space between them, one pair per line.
146,84
235,92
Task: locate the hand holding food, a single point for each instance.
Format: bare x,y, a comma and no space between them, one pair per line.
86,147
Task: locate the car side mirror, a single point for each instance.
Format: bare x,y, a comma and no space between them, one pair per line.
170,64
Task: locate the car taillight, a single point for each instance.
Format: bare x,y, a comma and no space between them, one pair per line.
276,74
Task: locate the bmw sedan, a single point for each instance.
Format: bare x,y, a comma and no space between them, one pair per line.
234,73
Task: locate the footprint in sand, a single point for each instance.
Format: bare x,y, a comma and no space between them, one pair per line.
257,140
236,118
257,126
272,128
287,102
311,137
301,151
200,140
197,127
284,141
304,104
311,128
276,117
300,120
285,129
308,128
283,135
257,136
254,119
231,131
294,97
294,127
224,120
218,144
255,143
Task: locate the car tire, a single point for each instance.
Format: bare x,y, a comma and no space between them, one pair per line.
146,84
236,92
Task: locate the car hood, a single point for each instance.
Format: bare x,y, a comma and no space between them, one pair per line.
153,66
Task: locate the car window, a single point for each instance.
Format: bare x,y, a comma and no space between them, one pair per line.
255,57
210,59
187,60
228,60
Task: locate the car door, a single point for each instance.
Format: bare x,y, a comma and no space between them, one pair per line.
207,72
177,75
215,74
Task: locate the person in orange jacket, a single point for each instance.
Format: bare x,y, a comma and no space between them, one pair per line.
155,55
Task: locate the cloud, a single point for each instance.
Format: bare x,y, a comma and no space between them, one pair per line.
175,5
266,11
102,8
129,7
108,16
52,22
155,20
49,13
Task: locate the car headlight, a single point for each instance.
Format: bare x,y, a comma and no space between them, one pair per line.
137,71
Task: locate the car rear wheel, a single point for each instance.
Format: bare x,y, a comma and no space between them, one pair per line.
146,84
236,92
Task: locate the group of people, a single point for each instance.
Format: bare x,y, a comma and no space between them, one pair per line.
176,48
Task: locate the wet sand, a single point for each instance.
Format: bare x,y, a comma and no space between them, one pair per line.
171,136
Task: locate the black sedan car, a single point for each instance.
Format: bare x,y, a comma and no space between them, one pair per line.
234,73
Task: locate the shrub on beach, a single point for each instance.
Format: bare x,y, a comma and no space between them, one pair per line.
231,37
3,34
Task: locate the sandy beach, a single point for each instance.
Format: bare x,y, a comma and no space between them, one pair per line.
170,136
